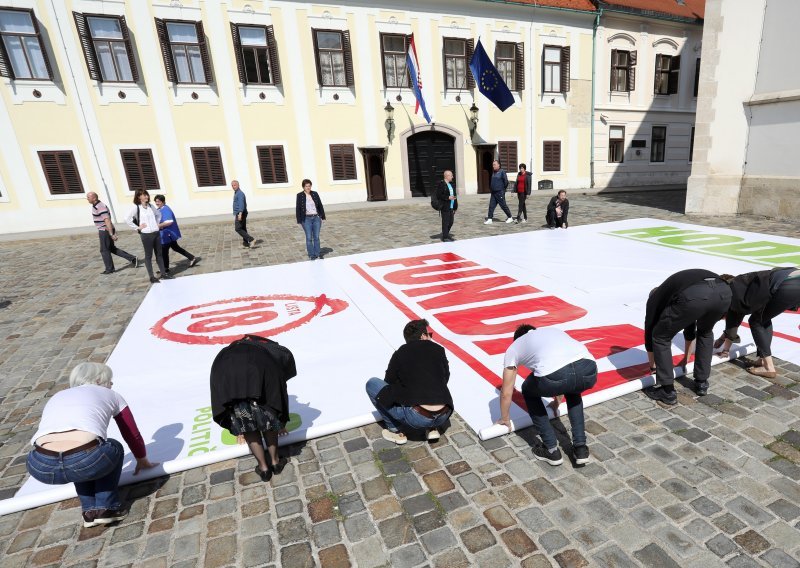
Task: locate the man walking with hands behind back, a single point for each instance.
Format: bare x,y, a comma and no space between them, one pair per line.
107,234
446,194
498,184
240,215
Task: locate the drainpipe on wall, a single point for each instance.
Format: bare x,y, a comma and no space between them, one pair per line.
83,115
594,60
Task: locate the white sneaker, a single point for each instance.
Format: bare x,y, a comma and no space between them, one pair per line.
433,435
487,222
510,220
397,437
523,220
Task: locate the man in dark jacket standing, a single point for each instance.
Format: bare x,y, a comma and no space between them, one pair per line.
447,197
498,185
414,393
691,300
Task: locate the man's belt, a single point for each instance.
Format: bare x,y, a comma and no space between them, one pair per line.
428,413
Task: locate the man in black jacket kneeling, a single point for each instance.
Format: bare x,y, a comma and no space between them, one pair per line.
414,393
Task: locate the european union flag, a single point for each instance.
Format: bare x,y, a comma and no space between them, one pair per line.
489,81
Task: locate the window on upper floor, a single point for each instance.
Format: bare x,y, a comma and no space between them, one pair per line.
457,53
623,70
334,58
272,164
551,156
107,48
140,169
509,58
61,172
256,54
555,69
616,144
394,48
343,161
667,74
208,167
22,52
696,76
658,143
185,52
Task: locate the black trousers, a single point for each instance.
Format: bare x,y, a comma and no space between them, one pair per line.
695,311
522,212
553,219
786,296
107,248
241,227
152,242
448,216
177,248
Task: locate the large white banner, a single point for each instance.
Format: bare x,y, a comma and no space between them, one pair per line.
343,318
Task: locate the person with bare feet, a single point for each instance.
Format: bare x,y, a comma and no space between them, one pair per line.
763,294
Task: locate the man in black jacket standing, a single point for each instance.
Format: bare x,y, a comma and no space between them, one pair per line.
693,301
448,199
414,393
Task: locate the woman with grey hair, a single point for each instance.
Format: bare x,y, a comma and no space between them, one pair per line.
71,446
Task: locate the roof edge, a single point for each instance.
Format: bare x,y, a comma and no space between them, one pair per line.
542,6
648,13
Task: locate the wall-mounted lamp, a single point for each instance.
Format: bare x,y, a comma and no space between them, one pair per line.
389,122
473,119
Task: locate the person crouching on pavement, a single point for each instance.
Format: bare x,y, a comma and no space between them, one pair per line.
559,365
414,394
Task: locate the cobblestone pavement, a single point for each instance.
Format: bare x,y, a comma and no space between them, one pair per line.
707,483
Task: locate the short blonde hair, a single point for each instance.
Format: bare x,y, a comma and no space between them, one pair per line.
91,374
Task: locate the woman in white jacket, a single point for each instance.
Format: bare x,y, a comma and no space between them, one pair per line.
146,219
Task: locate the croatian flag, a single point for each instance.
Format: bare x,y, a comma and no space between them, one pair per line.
416,79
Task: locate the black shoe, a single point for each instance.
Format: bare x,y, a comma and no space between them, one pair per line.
134,263
89,520
553,458
108,516
659,395
194,261
167,276
449,239
107,272
264,475
701,388
246,245
155,280
581,454
277,468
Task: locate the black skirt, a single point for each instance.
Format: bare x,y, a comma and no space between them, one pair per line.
248,416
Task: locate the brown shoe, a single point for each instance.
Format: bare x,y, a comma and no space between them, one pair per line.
762,372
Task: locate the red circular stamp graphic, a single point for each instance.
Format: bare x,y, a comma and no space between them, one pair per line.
224,321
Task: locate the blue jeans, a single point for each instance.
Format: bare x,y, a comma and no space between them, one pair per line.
495,199
396,417
95,473
311,227
570,380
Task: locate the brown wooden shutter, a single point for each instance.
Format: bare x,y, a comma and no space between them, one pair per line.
343,161
348,59
316,55
274,62
166,50
140,169
272,164
208,167
89,54
551,161
126,37
237,51
204,55
519,68
61,172
565,69
674,74
631,71
6,70
470,45
507,154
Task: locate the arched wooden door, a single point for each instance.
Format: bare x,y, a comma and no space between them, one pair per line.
429,155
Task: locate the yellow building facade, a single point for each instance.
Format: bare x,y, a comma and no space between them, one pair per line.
182,97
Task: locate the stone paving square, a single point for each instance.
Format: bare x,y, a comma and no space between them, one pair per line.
715,483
